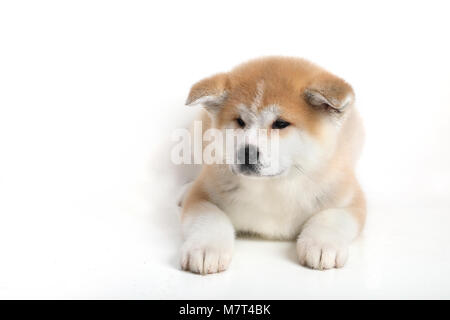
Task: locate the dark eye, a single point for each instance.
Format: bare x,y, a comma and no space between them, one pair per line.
240,122
280,124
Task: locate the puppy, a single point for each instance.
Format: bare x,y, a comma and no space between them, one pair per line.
311,194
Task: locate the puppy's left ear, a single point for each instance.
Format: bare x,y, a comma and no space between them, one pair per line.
211,92
329,93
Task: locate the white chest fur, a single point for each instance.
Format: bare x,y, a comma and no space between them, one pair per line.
272,208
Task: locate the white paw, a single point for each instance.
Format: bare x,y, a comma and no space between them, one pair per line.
205,258
321,253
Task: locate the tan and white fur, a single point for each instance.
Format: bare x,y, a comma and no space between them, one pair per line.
313,195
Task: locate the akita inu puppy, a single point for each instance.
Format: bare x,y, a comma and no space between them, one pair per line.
311,194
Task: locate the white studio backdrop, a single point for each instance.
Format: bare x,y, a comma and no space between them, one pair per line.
90,92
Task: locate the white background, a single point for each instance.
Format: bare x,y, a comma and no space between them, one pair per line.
90,92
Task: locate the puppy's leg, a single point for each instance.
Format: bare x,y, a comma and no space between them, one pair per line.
326,236
208,237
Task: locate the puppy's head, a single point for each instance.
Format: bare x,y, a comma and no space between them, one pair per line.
285,112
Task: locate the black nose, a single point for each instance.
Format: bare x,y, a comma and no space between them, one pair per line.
248,155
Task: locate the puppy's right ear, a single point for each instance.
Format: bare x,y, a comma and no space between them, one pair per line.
211,92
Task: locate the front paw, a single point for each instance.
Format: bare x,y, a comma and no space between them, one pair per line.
205,258
318,253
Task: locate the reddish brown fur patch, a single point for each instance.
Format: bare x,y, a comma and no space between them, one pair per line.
284,82
212,86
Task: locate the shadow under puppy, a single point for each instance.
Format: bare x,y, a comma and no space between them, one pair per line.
310,195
